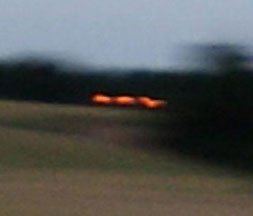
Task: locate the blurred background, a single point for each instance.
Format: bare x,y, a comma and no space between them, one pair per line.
154,97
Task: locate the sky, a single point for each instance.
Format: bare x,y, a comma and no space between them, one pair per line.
120,33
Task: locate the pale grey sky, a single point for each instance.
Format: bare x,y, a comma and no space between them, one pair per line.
131,33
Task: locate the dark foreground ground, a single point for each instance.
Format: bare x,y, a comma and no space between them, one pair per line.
65,160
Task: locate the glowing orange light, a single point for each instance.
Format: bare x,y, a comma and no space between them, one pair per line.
143,101
160,103
124,100
151,103
101,99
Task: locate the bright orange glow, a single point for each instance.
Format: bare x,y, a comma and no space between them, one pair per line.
101,99
155,104
151,103
124,100
143,101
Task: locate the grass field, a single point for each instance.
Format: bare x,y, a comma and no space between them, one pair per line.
74,160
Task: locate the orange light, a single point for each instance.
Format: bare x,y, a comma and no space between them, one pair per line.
124,100
151,103
143,101
101,99
160,103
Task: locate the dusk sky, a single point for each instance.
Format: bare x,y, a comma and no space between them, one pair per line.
124,33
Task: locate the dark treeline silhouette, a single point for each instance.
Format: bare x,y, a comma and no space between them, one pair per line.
215,112
211,109
46,81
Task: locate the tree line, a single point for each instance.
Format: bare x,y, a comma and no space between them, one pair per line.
212,108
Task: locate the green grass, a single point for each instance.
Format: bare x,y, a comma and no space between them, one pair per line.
93,161
35,135
49,136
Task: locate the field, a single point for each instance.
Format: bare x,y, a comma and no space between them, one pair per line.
74,160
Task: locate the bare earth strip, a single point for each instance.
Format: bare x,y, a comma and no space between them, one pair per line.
78,161
31,192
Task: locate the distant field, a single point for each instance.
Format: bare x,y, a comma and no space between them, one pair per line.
92,161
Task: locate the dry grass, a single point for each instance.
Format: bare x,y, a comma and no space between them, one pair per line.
33,192
63,160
